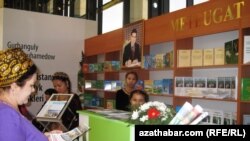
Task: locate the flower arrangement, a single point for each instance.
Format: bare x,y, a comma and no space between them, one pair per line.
152,113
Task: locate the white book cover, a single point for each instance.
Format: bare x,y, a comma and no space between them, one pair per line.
179,86
246,54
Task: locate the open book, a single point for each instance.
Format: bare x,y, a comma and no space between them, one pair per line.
70,135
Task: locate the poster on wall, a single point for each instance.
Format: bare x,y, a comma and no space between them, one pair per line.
133,45
56,49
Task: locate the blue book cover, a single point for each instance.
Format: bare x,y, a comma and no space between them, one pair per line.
115,65
158,87
139,85
148,61
167,86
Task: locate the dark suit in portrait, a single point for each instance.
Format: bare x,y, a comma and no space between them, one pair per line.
132,53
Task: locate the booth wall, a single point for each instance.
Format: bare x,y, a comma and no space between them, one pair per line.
53,42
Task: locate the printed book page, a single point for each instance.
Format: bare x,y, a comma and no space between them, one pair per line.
70,135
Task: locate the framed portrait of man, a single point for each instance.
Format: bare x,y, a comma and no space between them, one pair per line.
133,45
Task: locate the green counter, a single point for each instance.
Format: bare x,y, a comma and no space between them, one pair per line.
105,129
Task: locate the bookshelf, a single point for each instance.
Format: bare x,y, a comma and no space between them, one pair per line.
187,29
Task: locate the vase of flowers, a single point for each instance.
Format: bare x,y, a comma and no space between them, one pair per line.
152,113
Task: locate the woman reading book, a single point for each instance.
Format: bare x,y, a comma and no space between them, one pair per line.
18,75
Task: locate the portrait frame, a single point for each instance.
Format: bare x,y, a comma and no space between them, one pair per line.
133,43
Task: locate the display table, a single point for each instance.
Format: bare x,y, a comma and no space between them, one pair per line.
105,129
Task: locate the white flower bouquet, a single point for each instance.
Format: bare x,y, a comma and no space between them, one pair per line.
152,113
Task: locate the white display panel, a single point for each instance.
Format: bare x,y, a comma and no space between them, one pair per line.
177,4
112,18
199,1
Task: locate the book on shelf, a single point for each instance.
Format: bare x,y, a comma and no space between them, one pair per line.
88,84
148,61
231,52
219,56
115,65
188,86
116,85
184,58
93,84
179,86
208,57
169,59
196,57
99,84
245,89
107,66
199,86
234,87
211,85
158,87
119,85
228,85
219,117
107,85
139,85
167,85
227,118
159,63
148,86
246,52
246,119
99,67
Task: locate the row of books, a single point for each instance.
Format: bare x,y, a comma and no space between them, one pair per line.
107,85
102,67
159,60
219,117
210,56
211,87
91,100
164,86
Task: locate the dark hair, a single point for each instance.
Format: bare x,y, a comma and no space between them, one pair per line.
64,78
134,73
22,80
141,92
134,31
50,91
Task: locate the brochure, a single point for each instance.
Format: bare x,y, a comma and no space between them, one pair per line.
70,135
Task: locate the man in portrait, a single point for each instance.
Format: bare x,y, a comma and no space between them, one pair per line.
132,51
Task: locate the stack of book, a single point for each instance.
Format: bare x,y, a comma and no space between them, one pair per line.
210,56
158,61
